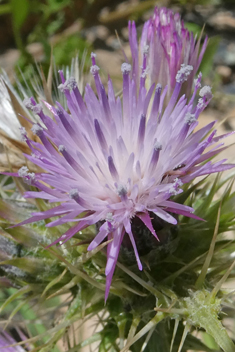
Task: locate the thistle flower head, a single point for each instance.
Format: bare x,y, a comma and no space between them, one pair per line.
110,161
165,47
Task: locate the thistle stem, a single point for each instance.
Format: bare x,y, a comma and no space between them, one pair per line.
152,323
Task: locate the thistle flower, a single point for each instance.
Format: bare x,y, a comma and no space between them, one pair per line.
110,162
166,46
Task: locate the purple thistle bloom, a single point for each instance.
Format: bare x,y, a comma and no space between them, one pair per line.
110,161
165,46
6,340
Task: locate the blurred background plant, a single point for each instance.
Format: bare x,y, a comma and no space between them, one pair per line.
31,29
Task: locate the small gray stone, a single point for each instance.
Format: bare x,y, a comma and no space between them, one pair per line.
225,73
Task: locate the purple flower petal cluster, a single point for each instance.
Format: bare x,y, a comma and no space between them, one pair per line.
165,45
110,160
6,340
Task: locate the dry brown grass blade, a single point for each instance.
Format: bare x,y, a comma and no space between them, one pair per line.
13,144
229,115
127,11
46,88
50,73
17,182
16,163
13,154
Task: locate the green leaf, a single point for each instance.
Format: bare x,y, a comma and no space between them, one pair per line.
109,335
193,27
15,295
87,342
203,311
19,10
27,264
57,5
209,341
206,64
5,8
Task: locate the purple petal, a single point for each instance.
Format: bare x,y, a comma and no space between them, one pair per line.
127,225
164,216
147,221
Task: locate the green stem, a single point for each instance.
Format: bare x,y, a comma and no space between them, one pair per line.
152,323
